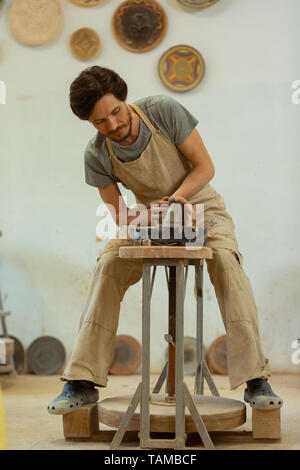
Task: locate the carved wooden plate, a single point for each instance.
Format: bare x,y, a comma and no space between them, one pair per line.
36,22
139,25
87,3
181,68
198,3
85,44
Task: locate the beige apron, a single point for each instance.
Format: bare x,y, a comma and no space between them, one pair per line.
158,172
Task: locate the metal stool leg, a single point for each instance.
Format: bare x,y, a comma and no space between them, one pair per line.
180,408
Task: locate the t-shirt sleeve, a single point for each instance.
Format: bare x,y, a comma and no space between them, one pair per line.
179,121
95,173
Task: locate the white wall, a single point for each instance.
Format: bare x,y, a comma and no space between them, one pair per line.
247,120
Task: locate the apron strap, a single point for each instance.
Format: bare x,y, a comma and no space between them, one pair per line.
144,118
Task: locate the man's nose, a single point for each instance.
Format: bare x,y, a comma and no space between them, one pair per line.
112,124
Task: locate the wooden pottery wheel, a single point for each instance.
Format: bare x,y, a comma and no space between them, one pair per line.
127,356
217,356
198,3
36,22
85,44
46,355
139,25
218,413
181,68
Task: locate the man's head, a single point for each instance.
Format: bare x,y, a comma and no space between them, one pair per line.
98,95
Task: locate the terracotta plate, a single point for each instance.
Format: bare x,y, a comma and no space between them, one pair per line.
127,357
85,44
217,356
36,22
87,3
139,25
46,355
181,68
198,3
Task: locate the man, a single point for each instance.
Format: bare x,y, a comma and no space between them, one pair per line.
154,149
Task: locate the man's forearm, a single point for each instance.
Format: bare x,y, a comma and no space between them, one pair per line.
193,183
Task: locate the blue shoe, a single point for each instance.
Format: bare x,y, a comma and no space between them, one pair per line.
259,394
75,393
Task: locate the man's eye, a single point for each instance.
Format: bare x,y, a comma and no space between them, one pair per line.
115,111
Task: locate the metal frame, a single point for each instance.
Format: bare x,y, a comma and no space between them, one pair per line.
182,396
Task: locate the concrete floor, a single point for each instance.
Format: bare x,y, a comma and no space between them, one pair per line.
29,426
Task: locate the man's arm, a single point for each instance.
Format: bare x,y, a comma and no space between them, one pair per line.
203,170
112,197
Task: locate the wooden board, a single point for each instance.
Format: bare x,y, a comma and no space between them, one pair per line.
266,423
192,252
218,413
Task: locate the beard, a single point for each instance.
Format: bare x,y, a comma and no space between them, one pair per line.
120,138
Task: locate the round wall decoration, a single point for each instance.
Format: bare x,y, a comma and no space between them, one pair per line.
139,25
181,68
87,3
36,22
85,44
198,3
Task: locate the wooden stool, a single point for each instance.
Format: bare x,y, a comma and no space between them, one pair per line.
166,413
163,415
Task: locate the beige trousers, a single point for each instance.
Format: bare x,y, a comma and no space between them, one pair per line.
94,346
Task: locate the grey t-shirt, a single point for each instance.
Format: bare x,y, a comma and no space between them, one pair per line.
166,115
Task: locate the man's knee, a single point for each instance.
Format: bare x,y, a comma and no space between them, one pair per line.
223,260
122,269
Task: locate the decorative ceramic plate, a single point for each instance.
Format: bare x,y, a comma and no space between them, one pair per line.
198,3
36,22
181,68
127,356
87,3
85,44
139,25
46,355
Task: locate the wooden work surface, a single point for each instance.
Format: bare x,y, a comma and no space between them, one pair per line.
191,252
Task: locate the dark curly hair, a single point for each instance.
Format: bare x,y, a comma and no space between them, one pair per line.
91,85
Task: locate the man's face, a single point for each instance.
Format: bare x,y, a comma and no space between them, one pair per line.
111,117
